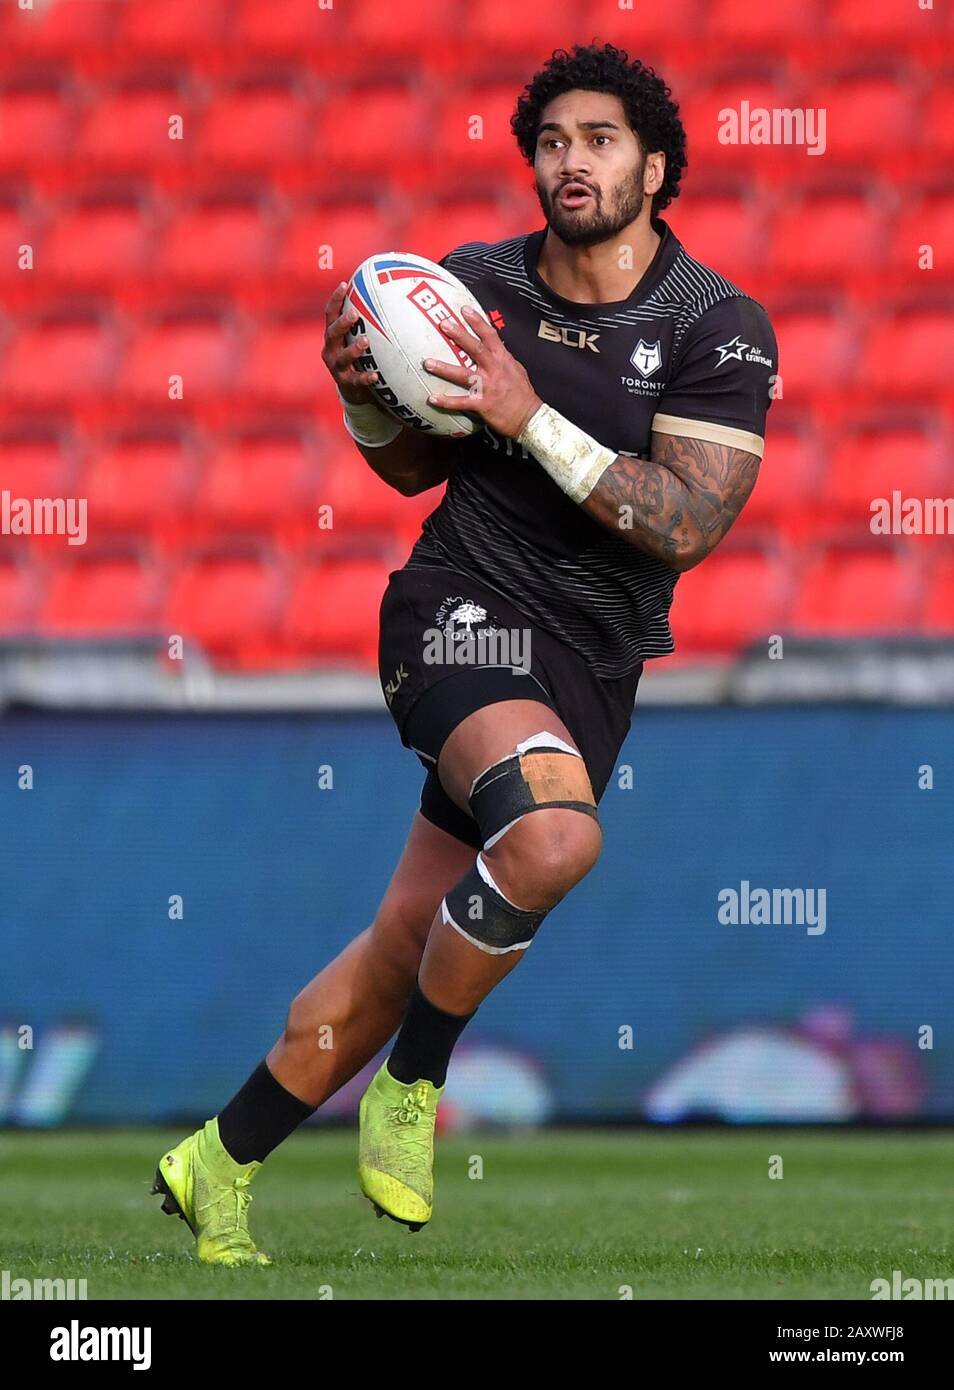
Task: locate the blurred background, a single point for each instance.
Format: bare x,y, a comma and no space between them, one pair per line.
202,796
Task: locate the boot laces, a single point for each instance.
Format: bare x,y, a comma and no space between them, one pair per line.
243,1200
412,1107
407,1116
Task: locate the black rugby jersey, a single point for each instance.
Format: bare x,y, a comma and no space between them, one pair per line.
687,350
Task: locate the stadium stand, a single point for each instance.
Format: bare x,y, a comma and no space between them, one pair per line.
181,187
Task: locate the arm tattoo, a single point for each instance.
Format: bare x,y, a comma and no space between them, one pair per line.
679,504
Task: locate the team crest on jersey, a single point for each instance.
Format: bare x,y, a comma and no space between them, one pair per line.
461,619
647,357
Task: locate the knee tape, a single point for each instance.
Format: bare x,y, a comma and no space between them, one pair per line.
542,772
477,909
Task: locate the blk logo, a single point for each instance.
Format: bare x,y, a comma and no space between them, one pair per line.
569,337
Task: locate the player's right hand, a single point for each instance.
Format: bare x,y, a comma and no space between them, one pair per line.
340,357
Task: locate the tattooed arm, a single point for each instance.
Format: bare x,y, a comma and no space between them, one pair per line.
678,504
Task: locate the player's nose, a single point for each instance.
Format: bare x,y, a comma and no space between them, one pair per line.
575,166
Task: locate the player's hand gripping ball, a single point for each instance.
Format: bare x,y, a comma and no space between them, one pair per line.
498,388
433,373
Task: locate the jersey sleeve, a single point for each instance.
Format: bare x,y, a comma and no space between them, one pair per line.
722,377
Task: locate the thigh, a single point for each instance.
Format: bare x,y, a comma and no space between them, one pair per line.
490,734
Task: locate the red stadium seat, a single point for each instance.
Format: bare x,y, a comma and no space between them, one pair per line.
333,610
466,147
283,364
218,242
98,243
426,28
295,28
828,237
444,226
937,130
743,24
200,351
720,231
34,467
817,350
737,597
360,500
138,485
871,464
909,354
18,598
176,28
886,23
928,222
375,119
720,123
36,127
255,127
260,483
130,129
846,593
100,597
68,29
499,27
938,612
57,361
651,21
787,481
16,230
228,604
343,234
861,113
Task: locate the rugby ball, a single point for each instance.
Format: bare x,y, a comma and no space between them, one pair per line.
401,300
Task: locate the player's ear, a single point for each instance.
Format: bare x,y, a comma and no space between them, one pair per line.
654,172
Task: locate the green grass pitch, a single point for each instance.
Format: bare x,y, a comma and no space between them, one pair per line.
556,1215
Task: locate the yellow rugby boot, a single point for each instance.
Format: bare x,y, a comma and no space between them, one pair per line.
396,1147
205,1186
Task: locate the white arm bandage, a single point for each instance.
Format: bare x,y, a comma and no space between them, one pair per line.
368,425
572,458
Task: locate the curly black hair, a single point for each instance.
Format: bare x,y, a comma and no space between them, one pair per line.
648,103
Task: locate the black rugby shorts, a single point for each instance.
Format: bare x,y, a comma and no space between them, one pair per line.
426,614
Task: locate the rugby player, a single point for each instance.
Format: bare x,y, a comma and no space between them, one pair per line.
622,392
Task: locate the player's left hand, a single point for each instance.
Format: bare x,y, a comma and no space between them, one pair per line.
499,390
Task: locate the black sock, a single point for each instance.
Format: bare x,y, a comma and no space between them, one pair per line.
425,1042
259,1117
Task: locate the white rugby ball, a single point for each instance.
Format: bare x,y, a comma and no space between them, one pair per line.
401,300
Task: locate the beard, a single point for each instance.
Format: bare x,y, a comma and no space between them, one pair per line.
595,222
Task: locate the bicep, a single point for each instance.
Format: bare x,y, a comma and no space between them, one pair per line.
718,478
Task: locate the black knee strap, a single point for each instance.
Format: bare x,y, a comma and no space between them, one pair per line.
480,912
535,779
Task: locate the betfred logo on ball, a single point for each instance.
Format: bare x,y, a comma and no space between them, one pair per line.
402,300
436,310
